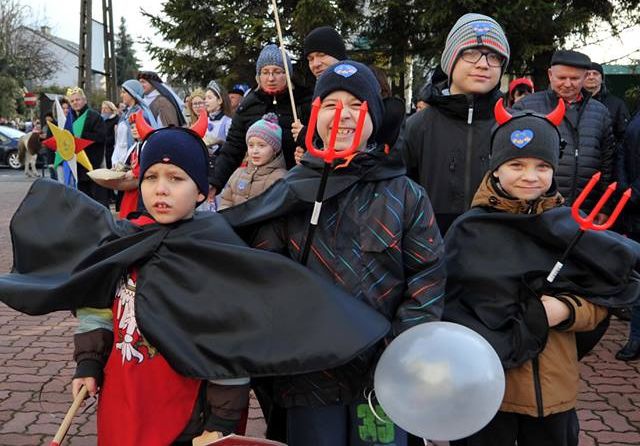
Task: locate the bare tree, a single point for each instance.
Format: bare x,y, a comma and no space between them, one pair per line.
21,56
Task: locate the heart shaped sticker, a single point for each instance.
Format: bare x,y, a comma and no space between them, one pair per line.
521,138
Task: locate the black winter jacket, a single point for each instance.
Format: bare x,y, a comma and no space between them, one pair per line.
618,111
252,108
446,146
376,238
628,173
590,147
94,130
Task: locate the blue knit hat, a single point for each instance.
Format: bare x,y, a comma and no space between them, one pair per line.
134,88
268,130
181,147
271,55
358,80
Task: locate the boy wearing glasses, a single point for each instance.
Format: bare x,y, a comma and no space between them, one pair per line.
446,146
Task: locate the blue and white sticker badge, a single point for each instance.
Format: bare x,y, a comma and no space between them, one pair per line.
521,138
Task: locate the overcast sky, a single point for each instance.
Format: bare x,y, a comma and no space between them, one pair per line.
65,20
65,23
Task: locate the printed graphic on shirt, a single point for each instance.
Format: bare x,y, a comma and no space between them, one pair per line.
131,343
373,430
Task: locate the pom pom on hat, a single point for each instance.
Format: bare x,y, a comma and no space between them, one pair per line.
268,130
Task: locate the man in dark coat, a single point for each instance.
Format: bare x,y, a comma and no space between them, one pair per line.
594,84
586,128
88,124
446,146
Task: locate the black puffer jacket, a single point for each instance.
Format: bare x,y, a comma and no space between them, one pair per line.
255,105
446,147
586,128
617,109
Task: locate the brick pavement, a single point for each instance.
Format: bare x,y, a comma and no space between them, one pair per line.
35,372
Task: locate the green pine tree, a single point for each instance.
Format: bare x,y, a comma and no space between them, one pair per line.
127,64
221,39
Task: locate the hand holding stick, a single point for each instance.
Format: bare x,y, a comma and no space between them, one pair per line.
66,423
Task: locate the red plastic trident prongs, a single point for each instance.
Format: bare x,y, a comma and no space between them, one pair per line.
586,223
329,154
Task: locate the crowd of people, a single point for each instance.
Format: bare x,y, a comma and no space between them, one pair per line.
455,213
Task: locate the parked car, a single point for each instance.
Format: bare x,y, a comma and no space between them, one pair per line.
9,146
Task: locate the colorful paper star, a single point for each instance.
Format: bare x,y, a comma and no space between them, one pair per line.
67,146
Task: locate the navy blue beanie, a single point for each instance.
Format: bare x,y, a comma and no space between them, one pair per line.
178,146
358,80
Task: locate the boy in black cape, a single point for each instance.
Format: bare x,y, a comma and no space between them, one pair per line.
376,238
167,315
498,256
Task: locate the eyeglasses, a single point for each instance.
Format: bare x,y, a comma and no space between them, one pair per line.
473,55
197,103
274,73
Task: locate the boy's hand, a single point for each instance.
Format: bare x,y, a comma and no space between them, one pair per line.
557,311
296,126
89,383
297,155
206,438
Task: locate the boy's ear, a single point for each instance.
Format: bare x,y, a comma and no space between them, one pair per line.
495,173
201,197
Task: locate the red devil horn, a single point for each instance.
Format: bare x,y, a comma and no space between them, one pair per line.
200,126
502,115
555,117
141,125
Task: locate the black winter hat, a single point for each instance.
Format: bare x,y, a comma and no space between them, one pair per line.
526,134
597,67
325,40
178,146
357,79
571,59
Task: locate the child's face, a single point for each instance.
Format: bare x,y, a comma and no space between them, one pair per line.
348,120
525,178
260,153
168,193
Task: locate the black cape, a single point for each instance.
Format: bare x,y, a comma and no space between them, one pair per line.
297,190
212,306
497,264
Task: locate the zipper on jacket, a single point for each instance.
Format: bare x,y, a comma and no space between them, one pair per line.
468,161
537,386
574,183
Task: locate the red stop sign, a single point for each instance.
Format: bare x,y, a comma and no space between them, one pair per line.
30,99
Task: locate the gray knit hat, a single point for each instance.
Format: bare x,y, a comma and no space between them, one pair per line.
271,55
470,31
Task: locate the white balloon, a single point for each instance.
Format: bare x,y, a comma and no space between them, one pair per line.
440,381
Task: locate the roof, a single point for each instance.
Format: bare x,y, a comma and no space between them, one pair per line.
620,69
65,44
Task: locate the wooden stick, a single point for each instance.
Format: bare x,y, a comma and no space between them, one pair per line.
284,60
66,423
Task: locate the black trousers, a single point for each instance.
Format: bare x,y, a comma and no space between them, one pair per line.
560,429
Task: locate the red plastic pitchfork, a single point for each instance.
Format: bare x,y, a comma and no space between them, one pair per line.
329,155
586,223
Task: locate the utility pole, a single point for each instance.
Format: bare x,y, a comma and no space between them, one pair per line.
84,56
109,51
